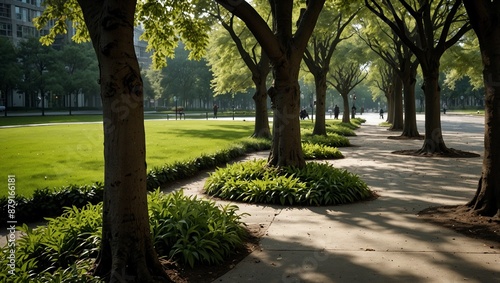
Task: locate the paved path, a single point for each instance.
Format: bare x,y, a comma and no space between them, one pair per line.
381,240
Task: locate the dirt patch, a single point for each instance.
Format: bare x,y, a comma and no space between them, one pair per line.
405,138
208,273
451,152
461,220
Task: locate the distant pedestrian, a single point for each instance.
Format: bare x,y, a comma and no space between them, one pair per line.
381,113
336,111
444,108
362,110
304,114
216,108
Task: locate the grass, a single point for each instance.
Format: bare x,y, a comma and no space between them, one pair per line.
63,154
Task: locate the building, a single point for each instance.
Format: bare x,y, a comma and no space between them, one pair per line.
16,19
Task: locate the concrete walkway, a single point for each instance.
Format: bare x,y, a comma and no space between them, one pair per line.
381,240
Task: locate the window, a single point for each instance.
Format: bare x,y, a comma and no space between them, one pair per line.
26,32
4,10
5,29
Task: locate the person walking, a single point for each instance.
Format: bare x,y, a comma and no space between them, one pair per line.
336,111
381,113
216,108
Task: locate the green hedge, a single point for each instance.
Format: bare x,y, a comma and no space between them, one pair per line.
316,184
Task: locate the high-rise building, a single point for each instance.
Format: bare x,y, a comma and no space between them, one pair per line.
16,19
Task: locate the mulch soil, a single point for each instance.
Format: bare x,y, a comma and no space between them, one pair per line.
462,220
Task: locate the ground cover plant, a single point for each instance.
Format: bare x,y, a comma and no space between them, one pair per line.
186,230
316,184
61,155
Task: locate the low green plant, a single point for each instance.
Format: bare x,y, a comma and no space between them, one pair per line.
184,228
340,130
185,169
193,230
318,151
61,251
332,140
50,202
316,184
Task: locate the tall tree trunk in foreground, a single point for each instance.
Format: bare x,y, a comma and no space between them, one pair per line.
484,15
127,253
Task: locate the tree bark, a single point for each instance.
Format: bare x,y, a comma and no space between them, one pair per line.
345,116
286,147
320,124
397,106
410,129
434,142
483,15
261,128
127,253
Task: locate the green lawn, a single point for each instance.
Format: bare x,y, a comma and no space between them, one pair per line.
57,155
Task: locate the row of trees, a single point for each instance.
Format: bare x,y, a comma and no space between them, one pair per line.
283,36
45,74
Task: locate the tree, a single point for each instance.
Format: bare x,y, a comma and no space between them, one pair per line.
9,70
78,72
185,78
383,78
36,61
255,61
318,55
439,25
391,49
344,78
127,253
285,49
483,16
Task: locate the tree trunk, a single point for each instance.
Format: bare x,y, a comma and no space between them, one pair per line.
483,15
397,106
410,129
345,115
389,97
43,103
286,147
434,142
127,253
261,129
320,124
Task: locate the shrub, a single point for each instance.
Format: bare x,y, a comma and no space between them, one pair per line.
318,151
316,184
192,230
184,228
333,140
51,202
58,252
